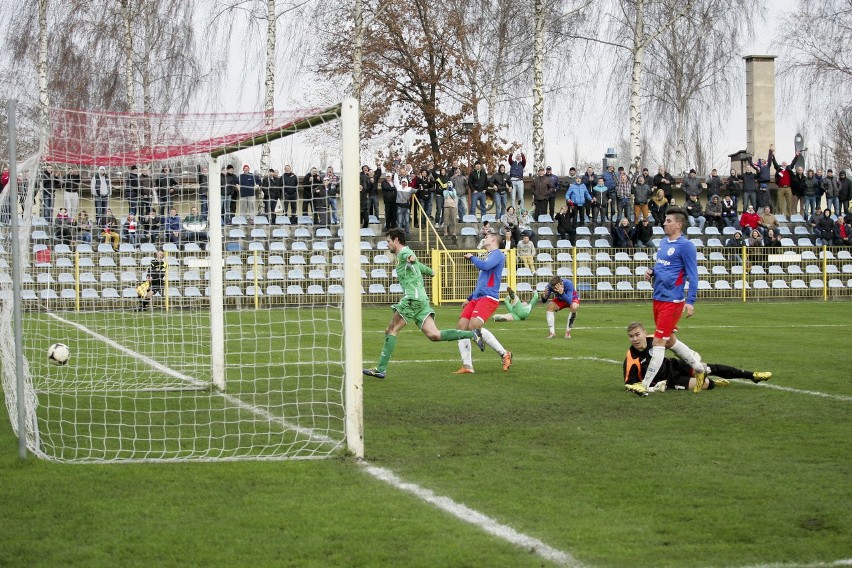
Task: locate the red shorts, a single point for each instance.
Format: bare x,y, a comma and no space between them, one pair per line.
666,316
561,304
481,308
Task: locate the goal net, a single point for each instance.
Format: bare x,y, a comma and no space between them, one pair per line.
195,331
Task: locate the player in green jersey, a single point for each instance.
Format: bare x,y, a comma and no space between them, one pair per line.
518,310
413,306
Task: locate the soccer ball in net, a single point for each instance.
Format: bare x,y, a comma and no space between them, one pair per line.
58,354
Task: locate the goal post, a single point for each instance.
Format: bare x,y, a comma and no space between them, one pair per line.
231,358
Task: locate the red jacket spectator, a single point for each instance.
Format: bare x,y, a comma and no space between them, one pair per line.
750,219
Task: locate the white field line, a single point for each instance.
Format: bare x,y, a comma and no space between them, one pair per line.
765,385
842,562
468,515
445,504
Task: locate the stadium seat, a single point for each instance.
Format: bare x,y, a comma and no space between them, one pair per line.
801,231
729,230
489,217
794,269
317,260
602,257
711,230
717,257
601,231
641,256
377,289
238,220
233,260
808,255
108,278
296,260
584,287
737,270
187,247
584,257
784,231
379,273
702,271
315,290
583,243
805,242
623,286
604,287
544,244
304,220
84,248
583,231
544,272
816,283
524,272
757,269
233,275
295,274
50,294
621,257
738,285
623,271
395,288
699,256
813,269
798,284
603,272
335,289
844,255
544,231
367,232
835,283
250,275
295,290
786,242
62,249
564,272
275,274
760,285
563,257
657,230
469,218
543,257
192,292
693,231
714,243
584,272
545,218
602,243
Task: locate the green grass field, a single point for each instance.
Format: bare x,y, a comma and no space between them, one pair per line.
555,449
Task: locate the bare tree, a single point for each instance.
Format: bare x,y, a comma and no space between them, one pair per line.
815,41
690,87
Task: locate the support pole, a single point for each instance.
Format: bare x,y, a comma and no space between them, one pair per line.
16,278
353,380
217,295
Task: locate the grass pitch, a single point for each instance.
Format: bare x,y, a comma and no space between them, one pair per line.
555,448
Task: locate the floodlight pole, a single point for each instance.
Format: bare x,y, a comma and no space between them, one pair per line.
16,278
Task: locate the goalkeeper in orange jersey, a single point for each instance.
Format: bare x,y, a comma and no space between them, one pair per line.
413,306
674,373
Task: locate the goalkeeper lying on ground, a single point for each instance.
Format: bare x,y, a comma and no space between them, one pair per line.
674,373
518,310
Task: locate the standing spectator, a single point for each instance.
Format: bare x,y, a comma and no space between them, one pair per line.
714,184
810,186
501,185
403,202
248,183
173,226
110,232
622,193
478,185
749,220
819,191
130,229
610,180
734,187
749,188
695,212
150,225
71,185
131,189
273,186
658,206
460,185
167,186
101,188
560,294
845,193
566,224
763,176
600,198
623,234
713,213
204,190
576,199
309,182
320,203
692,185
230,185
641,197
551,198
797,186
516,177
333,192
50,182
147,195
451,212
831,189
665,181
290,194
644,234
389,199
783,178
441,181
424,187
590,180
526,253
374,190
541,193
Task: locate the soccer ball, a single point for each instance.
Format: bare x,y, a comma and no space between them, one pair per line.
58,354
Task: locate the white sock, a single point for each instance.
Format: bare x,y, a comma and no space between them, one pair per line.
464,350
491,341
687,355
658,353
551,321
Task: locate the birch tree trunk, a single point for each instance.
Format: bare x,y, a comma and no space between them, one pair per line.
43,98
538,87
269,101
680,142
638,60
358,51
127,20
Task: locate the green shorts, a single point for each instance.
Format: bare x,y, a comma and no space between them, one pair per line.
412,309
